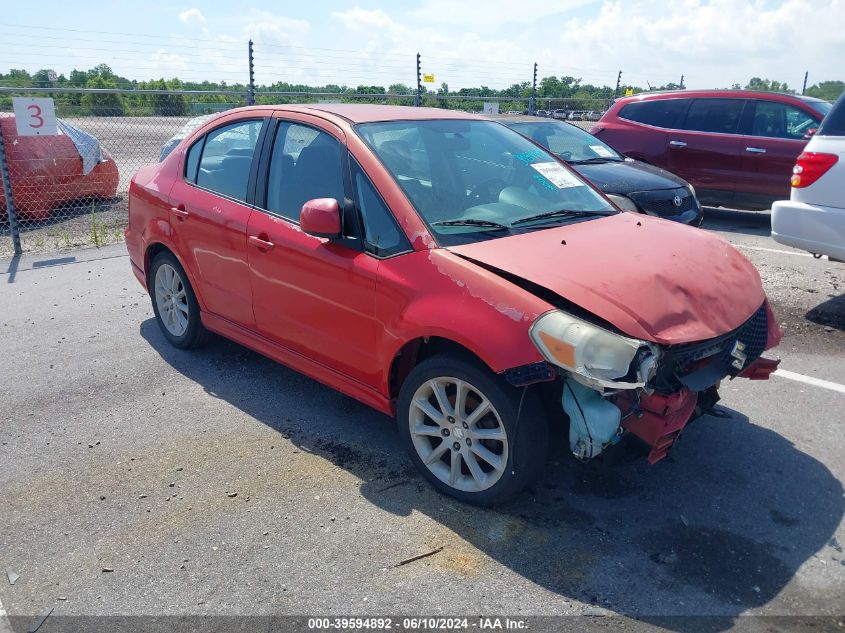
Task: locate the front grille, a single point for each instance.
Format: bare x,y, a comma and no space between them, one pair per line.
711,360
662,202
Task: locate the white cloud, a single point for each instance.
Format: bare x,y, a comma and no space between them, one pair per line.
193,17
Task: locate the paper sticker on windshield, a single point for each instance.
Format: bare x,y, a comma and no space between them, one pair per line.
557,174
602,151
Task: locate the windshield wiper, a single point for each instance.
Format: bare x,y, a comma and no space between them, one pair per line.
472,222
555,214
596,159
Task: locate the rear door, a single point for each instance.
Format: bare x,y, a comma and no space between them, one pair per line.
707,151
774,139
312,295
210,214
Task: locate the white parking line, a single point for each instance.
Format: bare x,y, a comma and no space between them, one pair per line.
816,382
773,250
5,627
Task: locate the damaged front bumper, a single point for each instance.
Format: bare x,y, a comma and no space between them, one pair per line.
675,385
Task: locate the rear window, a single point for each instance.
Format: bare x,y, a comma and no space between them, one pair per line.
658,112
834,123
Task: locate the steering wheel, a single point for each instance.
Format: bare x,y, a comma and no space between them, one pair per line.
491,187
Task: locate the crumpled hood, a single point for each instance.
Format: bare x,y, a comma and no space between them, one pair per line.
653,279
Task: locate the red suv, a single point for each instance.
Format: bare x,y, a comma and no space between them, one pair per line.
736,147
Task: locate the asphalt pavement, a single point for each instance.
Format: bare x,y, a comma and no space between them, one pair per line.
138,479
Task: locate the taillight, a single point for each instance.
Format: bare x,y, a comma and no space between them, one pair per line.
810,167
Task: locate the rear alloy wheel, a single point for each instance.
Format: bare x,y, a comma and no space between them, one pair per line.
174,303
460,424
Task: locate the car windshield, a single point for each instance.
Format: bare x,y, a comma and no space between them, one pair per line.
571,143
822,107
472,180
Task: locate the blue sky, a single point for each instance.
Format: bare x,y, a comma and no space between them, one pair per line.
714,43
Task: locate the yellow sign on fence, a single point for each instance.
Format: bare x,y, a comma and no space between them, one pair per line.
629,92
429,79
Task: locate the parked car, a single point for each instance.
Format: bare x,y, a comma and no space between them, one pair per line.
543,113
190,126
592,116
560,114
813,218
736,147
443,269
47,172
576,115
631,185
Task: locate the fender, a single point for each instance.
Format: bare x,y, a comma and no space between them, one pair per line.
487,308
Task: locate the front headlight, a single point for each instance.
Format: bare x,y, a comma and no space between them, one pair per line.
593,353
623,202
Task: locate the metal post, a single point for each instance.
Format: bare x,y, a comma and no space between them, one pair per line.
14,229
618,80
682,82
418,97
250,96
804,89
532,105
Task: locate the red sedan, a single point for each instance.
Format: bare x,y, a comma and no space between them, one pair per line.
443,269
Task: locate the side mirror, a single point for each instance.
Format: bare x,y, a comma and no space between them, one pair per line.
810,133
320,217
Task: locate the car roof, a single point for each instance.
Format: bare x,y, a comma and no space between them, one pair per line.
719,92
369,113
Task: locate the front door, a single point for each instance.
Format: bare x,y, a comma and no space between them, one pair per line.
312,295
771,148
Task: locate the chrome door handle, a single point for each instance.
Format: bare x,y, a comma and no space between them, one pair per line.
677,144
755,150
262,245
179,212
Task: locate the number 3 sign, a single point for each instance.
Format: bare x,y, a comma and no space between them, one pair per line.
34,117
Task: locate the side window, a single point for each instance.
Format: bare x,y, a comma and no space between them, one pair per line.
720,116
305,164
667,113
779,120
192,162
382,236
227,158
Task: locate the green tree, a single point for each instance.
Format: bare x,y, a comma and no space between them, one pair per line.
827,90
767,85
102,104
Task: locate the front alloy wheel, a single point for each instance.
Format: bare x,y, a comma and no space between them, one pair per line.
458,434
471,434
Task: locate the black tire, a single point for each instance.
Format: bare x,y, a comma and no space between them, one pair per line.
195,335
521,414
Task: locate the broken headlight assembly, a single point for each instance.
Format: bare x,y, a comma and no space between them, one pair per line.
594,356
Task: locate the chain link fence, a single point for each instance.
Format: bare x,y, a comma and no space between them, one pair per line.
70,190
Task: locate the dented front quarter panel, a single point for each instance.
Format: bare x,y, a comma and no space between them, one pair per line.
435,293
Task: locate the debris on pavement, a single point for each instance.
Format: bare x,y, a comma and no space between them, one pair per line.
107,570
232,494
11,575
39,620
436,550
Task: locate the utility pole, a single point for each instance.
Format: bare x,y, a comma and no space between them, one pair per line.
250,95
618,80
804,89
532,105
682,82
418,97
